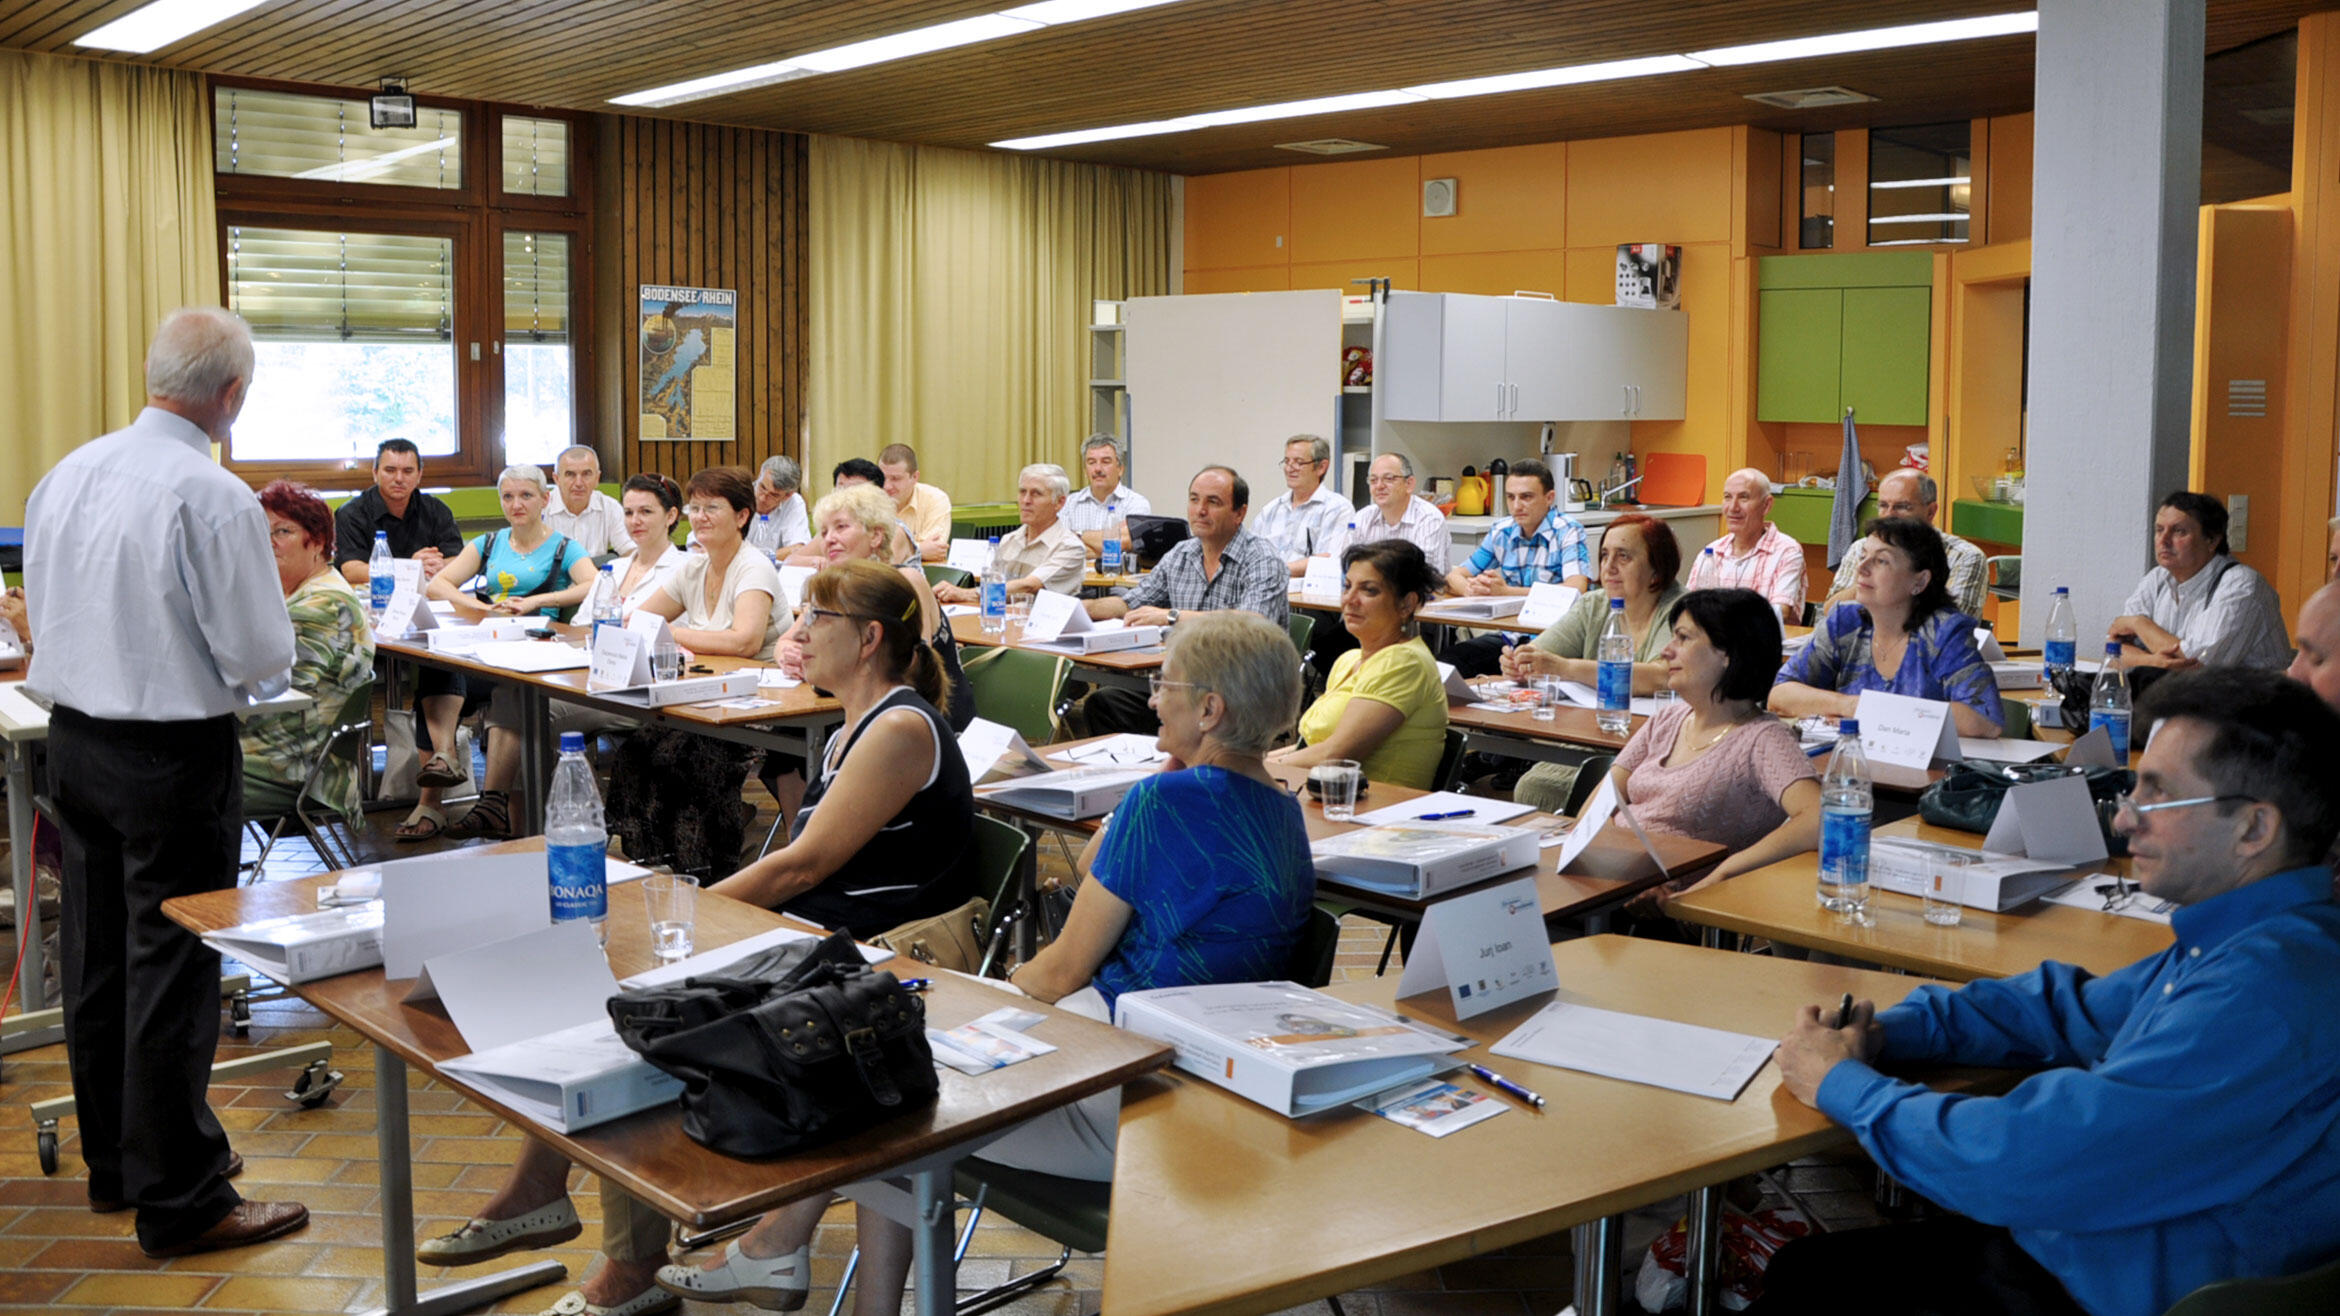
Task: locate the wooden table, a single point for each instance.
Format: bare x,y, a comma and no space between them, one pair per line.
1222,1206
1126,669
798,725
1779,902
1571,734
648,1153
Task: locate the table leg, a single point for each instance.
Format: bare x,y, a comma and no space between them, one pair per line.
390,1133
1703,1257
535,759
938,1273
1600,1267
1028,891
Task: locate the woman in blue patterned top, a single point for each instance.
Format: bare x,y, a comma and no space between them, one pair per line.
1901,623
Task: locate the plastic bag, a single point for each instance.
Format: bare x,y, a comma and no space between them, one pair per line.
1748,1244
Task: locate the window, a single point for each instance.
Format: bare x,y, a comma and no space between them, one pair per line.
1818,154
420,283
1920,184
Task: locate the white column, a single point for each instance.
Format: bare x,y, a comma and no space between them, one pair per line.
2116,184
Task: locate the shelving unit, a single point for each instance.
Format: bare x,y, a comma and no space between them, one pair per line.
1109,374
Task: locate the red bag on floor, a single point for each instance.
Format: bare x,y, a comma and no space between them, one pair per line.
1748,1244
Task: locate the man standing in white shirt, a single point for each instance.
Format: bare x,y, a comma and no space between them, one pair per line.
584,513
1753,553
1302,519
1043,552
1104,500
149,644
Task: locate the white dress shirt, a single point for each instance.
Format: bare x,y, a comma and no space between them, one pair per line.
794,520
1056,555
668,565
601,527
2227,615
1422,523
1084,511
168,613
1297,530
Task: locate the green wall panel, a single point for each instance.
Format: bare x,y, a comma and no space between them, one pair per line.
1886,332
1799,341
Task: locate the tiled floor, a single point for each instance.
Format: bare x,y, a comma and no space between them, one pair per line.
54,1253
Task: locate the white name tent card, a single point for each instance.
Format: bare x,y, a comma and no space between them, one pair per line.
1486,948
1904,732
1589,822
650,626
621,658
1456,686
405,613
443,903
517,988
1055,615
1323,579
792,584
1988,644
491,630
2006,751
971,555
2093,749
984,743
1547,602
2054,820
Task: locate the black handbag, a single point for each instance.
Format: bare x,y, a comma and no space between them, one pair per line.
787,1050
1967,797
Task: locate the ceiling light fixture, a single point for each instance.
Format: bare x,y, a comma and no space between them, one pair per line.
159,24
1921,182
880,50
1882,38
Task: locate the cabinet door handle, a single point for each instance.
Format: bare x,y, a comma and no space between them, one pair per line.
1636,398
1498,397
1514,399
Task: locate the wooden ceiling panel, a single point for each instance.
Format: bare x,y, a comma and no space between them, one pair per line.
1176,59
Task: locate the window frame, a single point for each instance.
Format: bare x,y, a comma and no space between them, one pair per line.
476,216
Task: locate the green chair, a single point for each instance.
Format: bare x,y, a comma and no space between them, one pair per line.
2309,1293
1588,780
1449,761
937,574
1320,940
1018,688
2015,719
273,817
2006,575
1003,851
1302,626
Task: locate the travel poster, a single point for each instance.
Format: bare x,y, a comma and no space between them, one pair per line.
689,362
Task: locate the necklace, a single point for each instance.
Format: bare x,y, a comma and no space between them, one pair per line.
1713,740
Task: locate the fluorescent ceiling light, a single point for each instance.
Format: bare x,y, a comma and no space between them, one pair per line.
1563,77
879,50
1363,100
1085,135
161,23
1876,38
1945,218
351,171
1921,182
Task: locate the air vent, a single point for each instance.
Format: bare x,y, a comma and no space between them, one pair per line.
1811,98
1330,146
2246,397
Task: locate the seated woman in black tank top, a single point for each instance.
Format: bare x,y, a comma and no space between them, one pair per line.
895,842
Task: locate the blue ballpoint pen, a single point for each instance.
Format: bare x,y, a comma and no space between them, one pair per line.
1505,1085
916,984
1448,815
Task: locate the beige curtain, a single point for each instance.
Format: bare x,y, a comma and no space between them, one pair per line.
108,223
951,299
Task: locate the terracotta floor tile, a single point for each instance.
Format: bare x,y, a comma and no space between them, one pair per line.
32,1285
94,1254
156,1290
344,1261
338,1146
270,1293
44,1192
291,1255
260,1170
339,1228
72,1222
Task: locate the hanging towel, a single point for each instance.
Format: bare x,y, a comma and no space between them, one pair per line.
1852,486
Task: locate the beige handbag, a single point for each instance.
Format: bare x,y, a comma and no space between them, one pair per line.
953,940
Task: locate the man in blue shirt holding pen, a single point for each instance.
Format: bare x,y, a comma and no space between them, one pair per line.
2182,1125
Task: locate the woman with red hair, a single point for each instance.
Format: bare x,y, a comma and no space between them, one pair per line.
333,658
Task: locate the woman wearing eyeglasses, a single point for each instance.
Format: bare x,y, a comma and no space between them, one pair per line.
896,842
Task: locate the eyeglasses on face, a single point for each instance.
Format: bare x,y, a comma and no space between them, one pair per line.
1383,479
2126,802
1156,683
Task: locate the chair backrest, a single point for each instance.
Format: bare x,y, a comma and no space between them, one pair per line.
2015,719
938,574
2006,570
1018,688
2309,1293
1312,957
1449,761
1588,780
999,851
1302,624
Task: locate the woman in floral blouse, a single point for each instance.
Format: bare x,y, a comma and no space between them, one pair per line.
333,658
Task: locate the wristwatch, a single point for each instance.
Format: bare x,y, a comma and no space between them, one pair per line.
1173,616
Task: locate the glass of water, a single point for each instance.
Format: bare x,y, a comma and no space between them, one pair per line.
1336,781
1548,698
673,899
1945,893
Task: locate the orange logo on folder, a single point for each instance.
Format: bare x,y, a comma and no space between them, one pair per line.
1230,1067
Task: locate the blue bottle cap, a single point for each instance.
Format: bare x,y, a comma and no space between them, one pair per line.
572,742
1850,726
1615,604
2112,648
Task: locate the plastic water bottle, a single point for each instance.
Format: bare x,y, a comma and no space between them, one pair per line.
605,602
2108,704
1109,548
762,537
576,844
1615,652
994,594
379,580
1845,802
2061,635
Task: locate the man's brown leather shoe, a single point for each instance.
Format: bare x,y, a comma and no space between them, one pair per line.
109,1205
250,1222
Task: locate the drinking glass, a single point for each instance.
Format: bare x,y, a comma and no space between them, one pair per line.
1945,893
673,899
1336,781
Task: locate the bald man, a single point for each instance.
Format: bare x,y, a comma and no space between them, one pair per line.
1913,494
2332,550
1753,553
2317,664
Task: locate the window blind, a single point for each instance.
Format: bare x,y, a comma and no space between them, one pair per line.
536,287
281,135
314,286
536,156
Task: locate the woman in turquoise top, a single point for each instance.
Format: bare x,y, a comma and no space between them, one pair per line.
523,566
1901,624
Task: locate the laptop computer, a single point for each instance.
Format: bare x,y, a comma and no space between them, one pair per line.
1152,536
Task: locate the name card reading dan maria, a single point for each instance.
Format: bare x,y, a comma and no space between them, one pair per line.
1487,948
1905,732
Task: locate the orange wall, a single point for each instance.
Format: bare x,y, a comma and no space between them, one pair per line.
1544,218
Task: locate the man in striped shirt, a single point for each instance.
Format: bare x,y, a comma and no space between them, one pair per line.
1754,554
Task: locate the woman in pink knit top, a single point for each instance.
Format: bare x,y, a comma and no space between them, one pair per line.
1716,765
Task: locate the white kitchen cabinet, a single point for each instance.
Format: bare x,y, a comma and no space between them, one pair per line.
1462,357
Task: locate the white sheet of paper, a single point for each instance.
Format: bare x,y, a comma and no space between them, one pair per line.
1054,615
2092,749
443,903
1905,732
1482,810
1125,750
2084,895
521,987
772,678
1487,948
708,961
1580,694
984,743
2053,820
1324,577
621,658
1589,822
970,555
1704,1062
2001,750
792,584
1547,602
531,656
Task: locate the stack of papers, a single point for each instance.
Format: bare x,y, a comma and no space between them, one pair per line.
1704,1062
1126,750
1068,793
531,656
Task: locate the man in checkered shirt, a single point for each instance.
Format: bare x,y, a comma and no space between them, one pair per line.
1753,553
1538,545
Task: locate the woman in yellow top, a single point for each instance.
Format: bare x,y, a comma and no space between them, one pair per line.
1384,705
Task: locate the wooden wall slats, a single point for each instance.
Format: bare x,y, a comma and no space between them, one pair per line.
709,207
